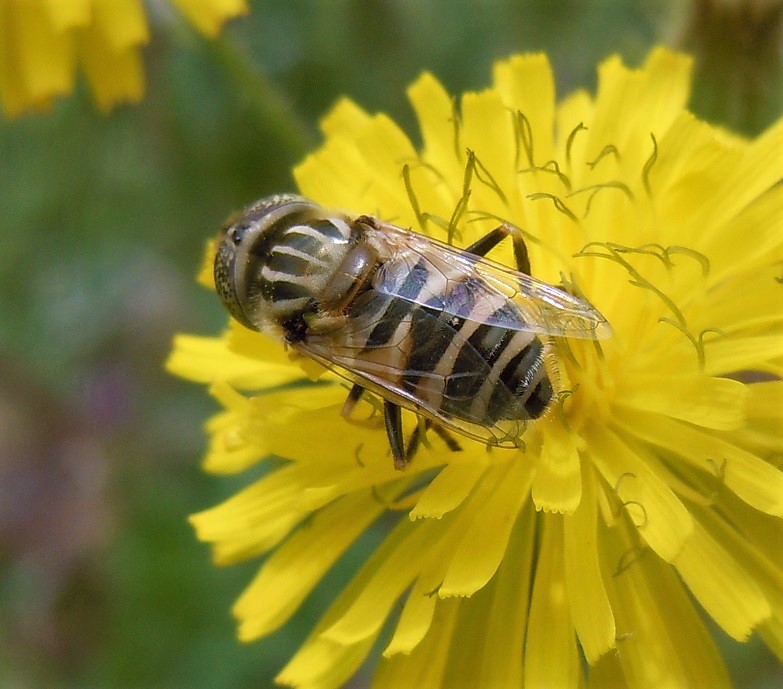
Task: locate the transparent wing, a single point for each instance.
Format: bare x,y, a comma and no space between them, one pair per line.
443,278
402,368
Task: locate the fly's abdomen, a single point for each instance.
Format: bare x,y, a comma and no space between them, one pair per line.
458,368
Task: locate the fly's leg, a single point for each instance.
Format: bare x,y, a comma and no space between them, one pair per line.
450,440
354,396
392,414
416,438
490,240
403,456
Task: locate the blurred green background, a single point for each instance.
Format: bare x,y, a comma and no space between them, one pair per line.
102,227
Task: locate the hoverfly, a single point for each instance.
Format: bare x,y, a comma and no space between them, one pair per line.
460,340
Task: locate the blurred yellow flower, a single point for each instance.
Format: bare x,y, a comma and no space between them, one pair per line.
43,41
572,559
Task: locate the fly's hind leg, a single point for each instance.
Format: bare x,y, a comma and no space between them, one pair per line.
392,414
402,455
417,436
490,240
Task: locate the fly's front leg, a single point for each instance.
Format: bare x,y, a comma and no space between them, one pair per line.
490,240
354,395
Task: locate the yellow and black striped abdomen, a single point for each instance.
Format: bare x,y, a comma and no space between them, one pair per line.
459,368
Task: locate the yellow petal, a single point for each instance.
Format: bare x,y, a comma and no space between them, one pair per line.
435,112
424,667
370,608
762,220
385,148
324,664
727,305
115,76
759,169
320,435
448,489
551,657
208,16
256,518
662,520
607,672
630,104
415,619
731,354
68,15
526,85
293,570
574,113
489,640
121,23
658,645
494,508
209,360
344,119
334,176
38,60
765,400
709,402
752,479
754,540
722,586
557,485
230,449
317,654
590,608
483,112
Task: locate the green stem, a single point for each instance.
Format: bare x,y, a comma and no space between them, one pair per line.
273,107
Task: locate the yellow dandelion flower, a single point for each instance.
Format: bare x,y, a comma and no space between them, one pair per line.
650,496
43,41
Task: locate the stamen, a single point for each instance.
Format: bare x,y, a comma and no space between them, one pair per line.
562,396
557,201
697,256
456,120
595,188
620,479
552,167
418,162
403,505
421,218
605,151
629,558
569,142
720,474
720,471
452,230
697,342
490,181
564,347
638,280
626,503
357,457
524,135
648,166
